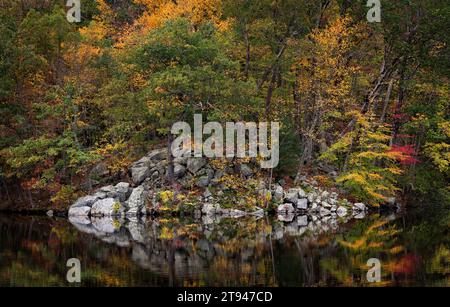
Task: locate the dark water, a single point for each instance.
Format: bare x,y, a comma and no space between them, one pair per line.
413,249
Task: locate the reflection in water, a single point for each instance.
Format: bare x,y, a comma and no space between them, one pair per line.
224,252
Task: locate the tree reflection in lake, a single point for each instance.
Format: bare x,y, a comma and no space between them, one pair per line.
224,252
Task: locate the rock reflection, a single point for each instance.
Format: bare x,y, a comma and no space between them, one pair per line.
212,243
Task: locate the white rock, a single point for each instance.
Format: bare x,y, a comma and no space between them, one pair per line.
107,207
324,211
291,196
286,217
86,201
79,211
278,193
302,204
139,174
360,207
136,201
302,220
195,164
326,205
286,208
342,211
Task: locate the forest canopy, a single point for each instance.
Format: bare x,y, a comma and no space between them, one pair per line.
367,101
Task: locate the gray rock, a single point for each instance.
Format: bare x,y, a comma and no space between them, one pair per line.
302,220
106,224
360,215
50,213
207,194
122,190
324,211
291,196
86,201
286,217
341,211
100,195
286,208
209,209
178,170
137,201
158,154
302,204
301,193
107,189
145,161
237,213
79,211
107,207
333,208
278,193
246,170
139,174
311,197
359,207
195,164
202,182
80,219
326,205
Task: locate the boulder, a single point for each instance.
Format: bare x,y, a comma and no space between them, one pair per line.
178,170
359,207
80,219
122,190
105,225
86,201
202,182
314,207
302,204
246,170
324,211
286,208
207,194
100,195
195,164
278,193
286,217
291,196
158,154
139,174
237,213
302,220
209,209
137,201
79,211
341,211
311,197
325,205
107,207
145,161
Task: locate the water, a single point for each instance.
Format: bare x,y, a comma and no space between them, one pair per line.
413,249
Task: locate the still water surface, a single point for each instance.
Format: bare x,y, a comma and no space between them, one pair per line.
413,249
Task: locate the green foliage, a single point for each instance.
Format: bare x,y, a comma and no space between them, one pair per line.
369,167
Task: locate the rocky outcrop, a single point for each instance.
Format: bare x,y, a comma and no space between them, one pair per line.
148,177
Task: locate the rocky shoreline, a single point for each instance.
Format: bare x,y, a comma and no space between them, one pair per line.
148,193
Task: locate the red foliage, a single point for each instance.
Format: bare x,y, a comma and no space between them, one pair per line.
399,116
406,265
407,154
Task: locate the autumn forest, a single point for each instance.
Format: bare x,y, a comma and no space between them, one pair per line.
362,105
